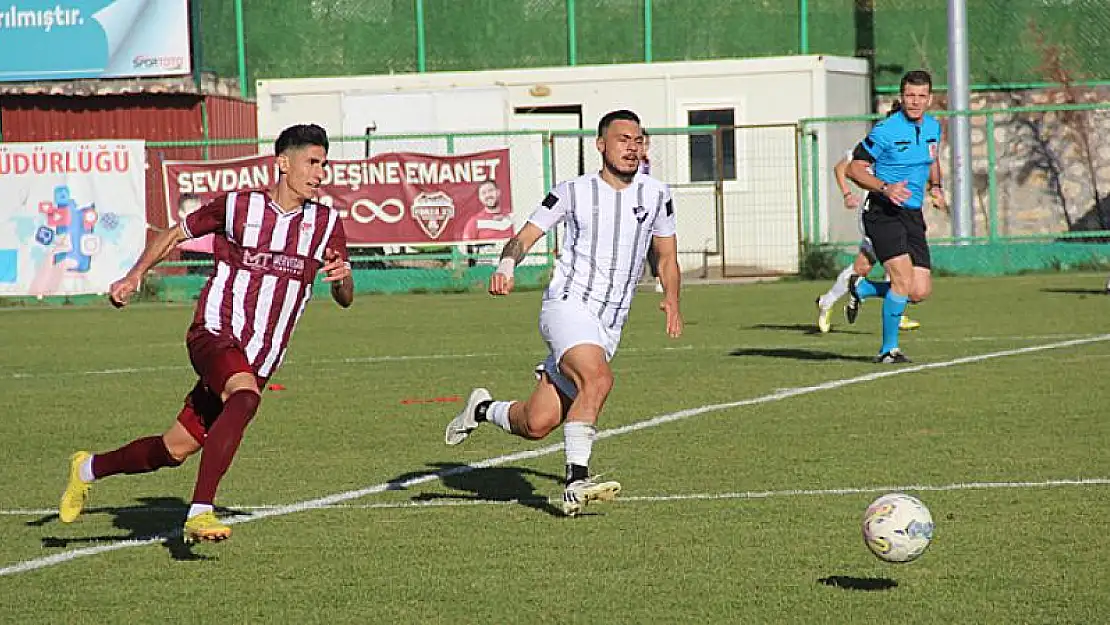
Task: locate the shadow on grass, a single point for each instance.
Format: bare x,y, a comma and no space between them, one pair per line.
802,328
848,582
154,518
795,353
494,484
1075,291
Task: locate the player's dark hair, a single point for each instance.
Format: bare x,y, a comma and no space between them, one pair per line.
894,108
612,116
300,136
917,77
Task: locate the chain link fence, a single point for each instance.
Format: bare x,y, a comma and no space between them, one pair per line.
750,198
1009,39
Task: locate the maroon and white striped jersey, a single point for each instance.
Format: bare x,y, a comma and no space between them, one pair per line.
266,261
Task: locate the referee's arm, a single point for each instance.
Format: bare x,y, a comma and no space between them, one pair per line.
860,173
936,188
859,170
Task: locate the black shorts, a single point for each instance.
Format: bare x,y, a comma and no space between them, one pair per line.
894,231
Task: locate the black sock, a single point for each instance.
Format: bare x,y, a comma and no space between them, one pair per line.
577,472
480,410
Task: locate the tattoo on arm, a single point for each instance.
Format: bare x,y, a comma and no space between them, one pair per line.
514,249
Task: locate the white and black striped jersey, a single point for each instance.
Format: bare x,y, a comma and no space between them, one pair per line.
608,233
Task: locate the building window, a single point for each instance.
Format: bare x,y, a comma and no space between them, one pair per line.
703,166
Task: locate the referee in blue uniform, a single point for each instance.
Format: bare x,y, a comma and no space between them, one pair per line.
897,164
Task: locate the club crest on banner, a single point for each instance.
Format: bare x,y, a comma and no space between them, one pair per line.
432,211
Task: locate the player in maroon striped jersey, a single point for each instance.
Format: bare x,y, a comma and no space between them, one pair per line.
268,247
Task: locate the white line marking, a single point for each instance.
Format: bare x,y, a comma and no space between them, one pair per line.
330,500
420,357
324,361
463,500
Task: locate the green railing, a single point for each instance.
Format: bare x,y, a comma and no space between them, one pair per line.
1041,188
391,268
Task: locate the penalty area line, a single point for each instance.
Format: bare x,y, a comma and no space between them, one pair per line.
337,498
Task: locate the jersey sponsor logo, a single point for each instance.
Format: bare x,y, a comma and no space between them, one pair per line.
432,212
271,262
550,201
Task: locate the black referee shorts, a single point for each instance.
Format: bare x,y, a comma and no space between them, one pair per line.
894,231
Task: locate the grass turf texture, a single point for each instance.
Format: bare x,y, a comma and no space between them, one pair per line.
95,378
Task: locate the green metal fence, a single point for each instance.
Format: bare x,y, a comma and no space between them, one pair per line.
1012,42
1041,179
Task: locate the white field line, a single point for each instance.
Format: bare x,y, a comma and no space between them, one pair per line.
324,361
330,500
462,500
425,357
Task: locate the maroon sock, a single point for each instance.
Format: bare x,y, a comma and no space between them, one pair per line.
139,456
222,443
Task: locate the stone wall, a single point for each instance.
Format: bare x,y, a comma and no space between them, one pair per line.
1046,183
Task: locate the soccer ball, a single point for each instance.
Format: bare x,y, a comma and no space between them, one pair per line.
897,527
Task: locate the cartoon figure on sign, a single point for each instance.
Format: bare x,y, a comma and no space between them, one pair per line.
491,222
70,235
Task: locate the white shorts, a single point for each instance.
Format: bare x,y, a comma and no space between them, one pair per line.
565,324
865,246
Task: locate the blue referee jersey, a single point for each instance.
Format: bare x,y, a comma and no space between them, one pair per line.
905,150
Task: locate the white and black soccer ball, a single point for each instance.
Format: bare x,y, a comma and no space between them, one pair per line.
897,527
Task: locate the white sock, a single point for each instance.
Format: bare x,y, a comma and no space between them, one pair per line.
578,437
839,288
498,414
198,508
86,471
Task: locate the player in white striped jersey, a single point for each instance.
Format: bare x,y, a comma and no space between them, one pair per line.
268,248
612,218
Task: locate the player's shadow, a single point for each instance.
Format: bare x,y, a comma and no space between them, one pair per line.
847,582
1075,291
154,518
795,353
499,484
803,328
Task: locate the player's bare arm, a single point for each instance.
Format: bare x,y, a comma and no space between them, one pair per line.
667,250
840,171
501,282
155,252
859,172
337,271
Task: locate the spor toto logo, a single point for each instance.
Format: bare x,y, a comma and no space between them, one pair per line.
365,211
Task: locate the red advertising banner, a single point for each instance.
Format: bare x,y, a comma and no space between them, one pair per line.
388,199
